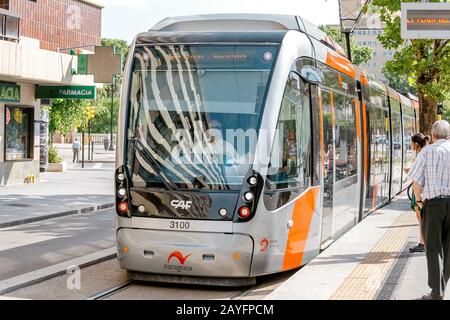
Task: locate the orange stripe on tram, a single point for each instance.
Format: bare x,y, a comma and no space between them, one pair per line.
366,146
364,79
302,216
333,123
340,63
358,121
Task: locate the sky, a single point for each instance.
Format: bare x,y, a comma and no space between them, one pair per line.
125,19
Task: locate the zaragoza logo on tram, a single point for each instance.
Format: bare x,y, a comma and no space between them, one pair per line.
177,255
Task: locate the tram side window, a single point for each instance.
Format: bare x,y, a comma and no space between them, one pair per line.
378,138
346,140
290,160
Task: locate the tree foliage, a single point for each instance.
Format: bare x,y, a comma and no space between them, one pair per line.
66,115
447,108
121,46
400,82
102,120
360,54
424,63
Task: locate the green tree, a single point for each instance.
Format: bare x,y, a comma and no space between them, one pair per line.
400,82
446,115
427,62
66,115
121,46
360,54
102,120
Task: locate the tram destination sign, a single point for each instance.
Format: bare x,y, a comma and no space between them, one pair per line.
429,20
65,92
9,92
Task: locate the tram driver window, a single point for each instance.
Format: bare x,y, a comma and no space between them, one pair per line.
289,168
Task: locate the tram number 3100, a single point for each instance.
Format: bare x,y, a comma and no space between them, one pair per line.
180,225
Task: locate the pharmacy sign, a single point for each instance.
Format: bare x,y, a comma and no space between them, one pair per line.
65,92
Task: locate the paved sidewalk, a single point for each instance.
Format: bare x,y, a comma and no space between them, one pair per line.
370,262
64,193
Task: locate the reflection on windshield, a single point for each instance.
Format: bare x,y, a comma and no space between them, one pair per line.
195,110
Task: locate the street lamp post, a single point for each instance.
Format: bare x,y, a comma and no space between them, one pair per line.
348,43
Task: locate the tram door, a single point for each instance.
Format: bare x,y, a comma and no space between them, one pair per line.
329,168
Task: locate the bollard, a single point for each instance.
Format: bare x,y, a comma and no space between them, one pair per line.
82,151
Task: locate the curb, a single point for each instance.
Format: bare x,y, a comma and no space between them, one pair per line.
62,268
55,215
101,161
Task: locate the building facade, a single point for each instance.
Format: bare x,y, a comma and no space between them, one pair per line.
31,32
366,28
59,24
368,37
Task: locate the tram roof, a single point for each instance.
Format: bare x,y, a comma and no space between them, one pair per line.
157,37
228,22
248,22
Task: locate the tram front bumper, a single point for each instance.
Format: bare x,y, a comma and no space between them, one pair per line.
185,253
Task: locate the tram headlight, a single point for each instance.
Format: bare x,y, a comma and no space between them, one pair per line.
122,192
223,212
268,56
253,181
249,196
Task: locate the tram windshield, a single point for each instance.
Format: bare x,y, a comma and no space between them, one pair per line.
194,112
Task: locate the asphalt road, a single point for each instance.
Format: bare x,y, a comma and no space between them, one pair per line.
106,275
38,245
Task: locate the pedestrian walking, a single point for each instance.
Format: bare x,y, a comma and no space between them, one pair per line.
431,177
106,141
76,147
418,142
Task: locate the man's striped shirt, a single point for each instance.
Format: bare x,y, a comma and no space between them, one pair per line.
431,169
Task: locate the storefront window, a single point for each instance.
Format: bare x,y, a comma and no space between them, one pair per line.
18,133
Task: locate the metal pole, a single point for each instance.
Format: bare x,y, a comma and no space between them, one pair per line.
111,146
92,146
349,48
82,150
89,139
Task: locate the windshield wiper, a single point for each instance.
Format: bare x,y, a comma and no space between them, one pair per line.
139,146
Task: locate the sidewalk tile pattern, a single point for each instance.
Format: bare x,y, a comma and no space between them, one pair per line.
368,277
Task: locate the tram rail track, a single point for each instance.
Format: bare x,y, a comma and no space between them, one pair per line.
112,291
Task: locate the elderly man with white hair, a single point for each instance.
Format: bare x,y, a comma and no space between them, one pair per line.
431,176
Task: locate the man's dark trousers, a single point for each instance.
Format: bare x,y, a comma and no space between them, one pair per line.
436,232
